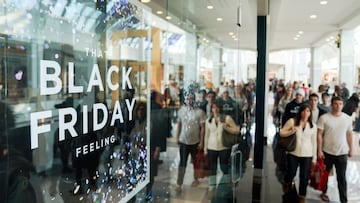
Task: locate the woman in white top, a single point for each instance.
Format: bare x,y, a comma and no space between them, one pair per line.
213,145
305,150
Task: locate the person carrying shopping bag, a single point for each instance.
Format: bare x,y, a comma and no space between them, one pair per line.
304,153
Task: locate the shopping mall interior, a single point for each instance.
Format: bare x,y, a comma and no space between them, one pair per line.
102,100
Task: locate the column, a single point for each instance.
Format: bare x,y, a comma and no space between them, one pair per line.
157,71
315,69
262,61
347,71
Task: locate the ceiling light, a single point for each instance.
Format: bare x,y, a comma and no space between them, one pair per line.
301,32
219,19
332,37
235,39
231,33
233,36
323,2
295,38
210,7
159,12
168,17
313,16
145,1
327,39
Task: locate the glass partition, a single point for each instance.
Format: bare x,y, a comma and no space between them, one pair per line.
74,78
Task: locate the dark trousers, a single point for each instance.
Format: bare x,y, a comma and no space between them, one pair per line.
293,163
213,156
185,150
340,163
154,165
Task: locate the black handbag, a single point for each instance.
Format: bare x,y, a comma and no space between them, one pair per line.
229,139
291,196
288,143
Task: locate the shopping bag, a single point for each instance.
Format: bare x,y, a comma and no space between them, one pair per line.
318,175
291,196
201,165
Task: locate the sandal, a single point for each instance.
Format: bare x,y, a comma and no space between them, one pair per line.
324,198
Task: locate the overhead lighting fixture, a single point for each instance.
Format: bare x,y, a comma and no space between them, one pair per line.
323,2
159,12
210,7
231,33
301,32
219,19
331,37
235,39
145,1
295,38
168,17
313,16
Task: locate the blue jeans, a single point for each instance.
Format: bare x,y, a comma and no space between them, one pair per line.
340,163
213,156
293,163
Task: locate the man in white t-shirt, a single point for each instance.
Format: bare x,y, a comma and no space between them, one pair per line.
334,138
190,135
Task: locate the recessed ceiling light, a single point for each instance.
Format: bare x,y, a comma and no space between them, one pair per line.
301,32
235,39
323,2
168,17
295,38
231,33
313,16
331,37
219,19
159,12
145,1
210,7
298,36
327,39
233,36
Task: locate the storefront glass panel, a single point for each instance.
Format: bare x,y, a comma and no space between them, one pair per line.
74,77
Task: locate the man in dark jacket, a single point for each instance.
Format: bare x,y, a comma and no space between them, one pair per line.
292,107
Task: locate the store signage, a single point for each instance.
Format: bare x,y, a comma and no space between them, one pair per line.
51,83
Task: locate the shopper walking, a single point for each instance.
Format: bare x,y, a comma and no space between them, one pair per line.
190,135
213,146
334,138
305,150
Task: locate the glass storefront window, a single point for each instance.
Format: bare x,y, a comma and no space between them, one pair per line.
74,78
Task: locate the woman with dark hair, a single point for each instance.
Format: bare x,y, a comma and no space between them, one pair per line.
213,146
305,150
280,92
